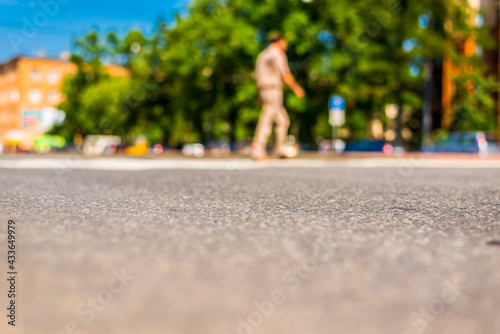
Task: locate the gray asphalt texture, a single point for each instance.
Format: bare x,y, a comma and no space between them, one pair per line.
262,251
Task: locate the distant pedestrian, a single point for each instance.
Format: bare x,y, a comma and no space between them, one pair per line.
271,72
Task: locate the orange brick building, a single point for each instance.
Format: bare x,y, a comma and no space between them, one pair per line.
30,91
29,88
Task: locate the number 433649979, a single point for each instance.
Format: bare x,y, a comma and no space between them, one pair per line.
11,244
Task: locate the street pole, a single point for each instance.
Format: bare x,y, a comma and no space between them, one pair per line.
428,91
335,136
427,108
333,139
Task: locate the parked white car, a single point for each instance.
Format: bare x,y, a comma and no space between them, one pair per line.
100,145
194,150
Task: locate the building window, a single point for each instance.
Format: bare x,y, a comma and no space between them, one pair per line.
14,96
53,77
53,97
11,77
35,96
36,75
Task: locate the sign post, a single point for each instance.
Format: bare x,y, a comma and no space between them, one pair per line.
337,116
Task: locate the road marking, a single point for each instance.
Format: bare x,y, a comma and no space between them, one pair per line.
127,164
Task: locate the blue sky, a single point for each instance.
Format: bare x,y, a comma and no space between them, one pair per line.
54,28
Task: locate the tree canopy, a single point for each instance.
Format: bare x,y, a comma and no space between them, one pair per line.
192,79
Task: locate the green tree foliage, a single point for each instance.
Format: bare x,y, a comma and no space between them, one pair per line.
474,104
193,79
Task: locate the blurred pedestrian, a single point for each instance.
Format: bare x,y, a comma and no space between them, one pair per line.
271,72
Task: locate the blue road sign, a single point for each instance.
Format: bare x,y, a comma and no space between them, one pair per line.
337,103
337,110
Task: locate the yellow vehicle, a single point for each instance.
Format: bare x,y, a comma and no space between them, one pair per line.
141,147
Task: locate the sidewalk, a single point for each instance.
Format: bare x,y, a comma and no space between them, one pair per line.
123,163
306,155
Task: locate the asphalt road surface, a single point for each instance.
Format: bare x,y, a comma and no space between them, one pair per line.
342,247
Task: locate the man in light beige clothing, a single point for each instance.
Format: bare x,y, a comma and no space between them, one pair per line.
271,72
